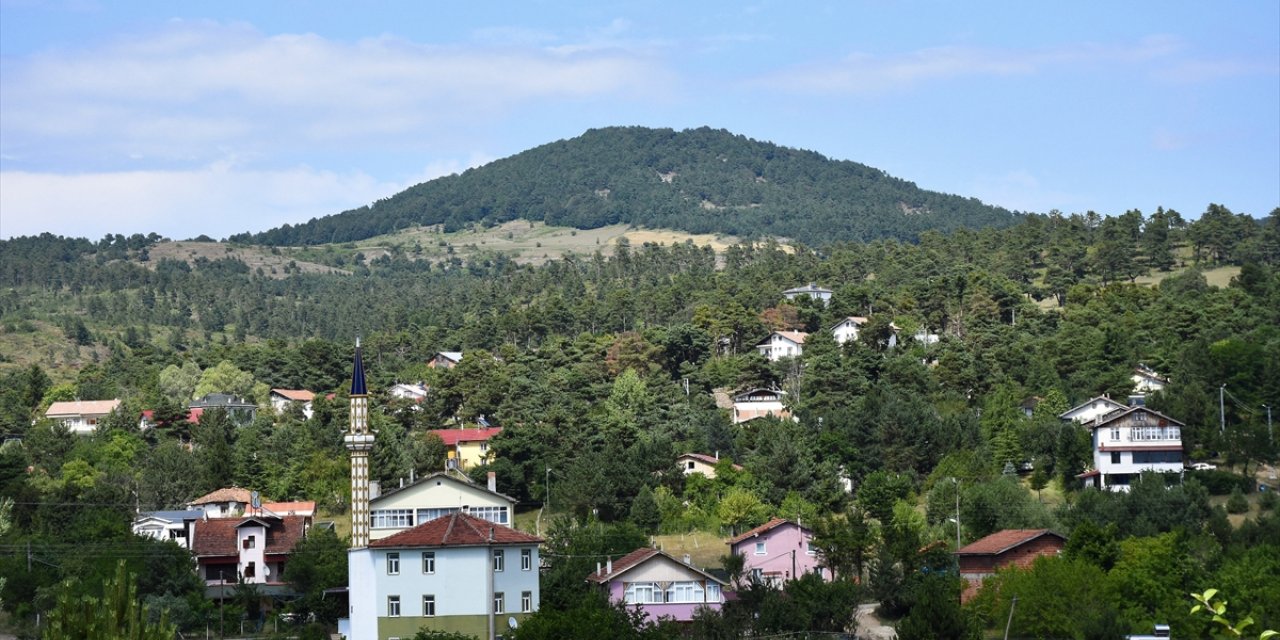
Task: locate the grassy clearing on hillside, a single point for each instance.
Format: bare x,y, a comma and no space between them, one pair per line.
704,548
524,241
36,342
272,262
1216,277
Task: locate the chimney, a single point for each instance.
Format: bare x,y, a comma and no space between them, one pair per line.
402,482
687,559
411,475
597,567
609,566
717,455
493,481
375,489
490,534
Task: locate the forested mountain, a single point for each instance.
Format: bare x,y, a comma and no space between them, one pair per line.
602,369
698,180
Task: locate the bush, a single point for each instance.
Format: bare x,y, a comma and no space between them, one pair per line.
1237,503
1219,482
1267,500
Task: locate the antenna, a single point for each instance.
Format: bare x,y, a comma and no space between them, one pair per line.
512,622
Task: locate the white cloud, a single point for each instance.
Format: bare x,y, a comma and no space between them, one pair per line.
216,200
867,73
194,86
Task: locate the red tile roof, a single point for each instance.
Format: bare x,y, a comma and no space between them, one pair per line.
456,530
298,395
230,494
768,526
1002,541
217,536
452,437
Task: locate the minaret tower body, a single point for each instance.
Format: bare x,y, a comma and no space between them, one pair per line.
359,441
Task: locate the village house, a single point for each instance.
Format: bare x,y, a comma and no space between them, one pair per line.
229,502
1012,546
456,573
435,496
81,416
282,399
810,290
1092,409
1126,443
758,403
414,392
777,551
1146,380
445,360
239,410
659,585
168,525
847,329
250,549
782,344
467,448
700,463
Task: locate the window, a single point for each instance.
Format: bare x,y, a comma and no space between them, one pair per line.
1140,416
484,447
428,606
1115,433
499,560
760,548
690,465
393,606
526,601
250,542
757,575
686,592
427,515
391,518
251,570
496,515
526,559
393,564
642,593
428,562
1115,457
808,548
499,603
713,592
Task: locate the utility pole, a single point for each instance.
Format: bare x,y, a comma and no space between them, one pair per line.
1010,622
548,488
1222,410
956,481
1270,435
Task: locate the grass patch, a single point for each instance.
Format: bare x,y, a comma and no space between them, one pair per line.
704,548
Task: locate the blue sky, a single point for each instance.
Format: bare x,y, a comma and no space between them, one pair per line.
216,118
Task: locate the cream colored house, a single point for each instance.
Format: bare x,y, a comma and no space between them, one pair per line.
81,416
435,496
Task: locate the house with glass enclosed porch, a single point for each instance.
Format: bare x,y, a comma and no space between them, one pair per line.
1128,442
659,585
434,496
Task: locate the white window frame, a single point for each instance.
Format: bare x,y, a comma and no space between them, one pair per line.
393,606
499,602
429,606
428,562
526,601
713,592
391,519
642,593
526,559
499,560
393,563
760,549
685,592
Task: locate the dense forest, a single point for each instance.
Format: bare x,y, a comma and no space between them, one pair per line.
604,369
697,180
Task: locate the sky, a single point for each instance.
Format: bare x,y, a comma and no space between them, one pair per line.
190,118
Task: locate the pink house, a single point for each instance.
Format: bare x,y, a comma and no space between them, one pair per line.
777,551
659,585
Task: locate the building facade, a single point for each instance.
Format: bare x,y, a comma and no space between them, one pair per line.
758,403
782,344
659,585
1126,443
1012,546
777,551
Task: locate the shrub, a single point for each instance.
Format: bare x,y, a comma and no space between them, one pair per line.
1267,500
1237,503
1219,482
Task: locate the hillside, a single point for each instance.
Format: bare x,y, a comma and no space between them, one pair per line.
697,181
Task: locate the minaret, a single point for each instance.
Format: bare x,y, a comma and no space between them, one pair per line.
359,442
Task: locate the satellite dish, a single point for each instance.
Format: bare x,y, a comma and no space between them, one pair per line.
255,500
512,622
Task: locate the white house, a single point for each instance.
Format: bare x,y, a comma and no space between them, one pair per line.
811,290
758,403
700,463
168,525
434,496
1091,410
81,416
1126,443
415,392
455,573
445,360
782,344
282,399
847,329
1146,380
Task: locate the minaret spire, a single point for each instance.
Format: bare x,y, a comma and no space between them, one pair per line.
359,441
